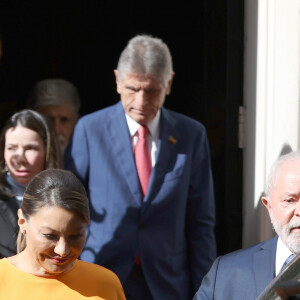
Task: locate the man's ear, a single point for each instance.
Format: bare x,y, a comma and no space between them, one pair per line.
169,84
266,202
117,81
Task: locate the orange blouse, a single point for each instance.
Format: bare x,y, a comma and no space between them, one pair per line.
83,281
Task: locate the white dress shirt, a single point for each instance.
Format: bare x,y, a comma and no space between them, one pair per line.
282,253
153,127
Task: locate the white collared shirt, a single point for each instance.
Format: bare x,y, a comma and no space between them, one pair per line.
282,253
153,127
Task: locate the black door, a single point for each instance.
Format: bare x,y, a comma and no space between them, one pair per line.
81,42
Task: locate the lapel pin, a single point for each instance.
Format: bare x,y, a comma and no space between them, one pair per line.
172,140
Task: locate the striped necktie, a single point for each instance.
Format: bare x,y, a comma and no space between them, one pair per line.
288,260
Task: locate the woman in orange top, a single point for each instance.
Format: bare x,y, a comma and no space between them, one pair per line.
52,222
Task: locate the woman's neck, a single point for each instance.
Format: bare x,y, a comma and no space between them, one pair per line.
16,187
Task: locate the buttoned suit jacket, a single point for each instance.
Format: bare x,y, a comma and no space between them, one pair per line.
172,227
242,274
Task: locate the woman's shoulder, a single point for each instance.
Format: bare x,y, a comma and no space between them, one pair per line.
97,279
8,198
84,266
8,206
97,274
3,262
6,192
6,267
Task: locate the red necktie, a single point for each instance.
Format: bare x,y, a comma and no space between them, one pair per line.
143,165
143,159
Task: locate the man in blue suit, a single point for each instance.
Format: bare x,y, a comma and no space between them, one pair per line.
159,240
244,274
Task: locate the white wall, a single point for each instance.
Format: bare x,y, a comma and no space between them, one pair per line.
271,98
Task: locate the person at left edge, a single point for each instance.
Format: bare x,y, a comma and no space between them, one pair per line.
161,244
27,146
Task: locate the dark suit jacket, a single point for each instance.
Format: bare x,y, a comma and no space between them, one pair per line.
242,274
172,228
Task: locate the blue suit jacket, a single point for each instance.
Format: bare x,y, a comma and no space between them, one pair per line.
242,274
172,228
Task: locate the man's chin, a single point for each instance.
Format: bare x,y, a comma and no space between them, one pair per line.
62,144
290,239
141,117
62,148
293,242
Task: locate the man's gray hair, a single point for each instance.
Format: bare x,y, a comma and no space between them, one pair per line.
292,156
50,92
147,55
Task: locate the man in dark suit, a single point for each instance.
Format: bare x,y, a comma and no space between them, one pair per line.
58,100
244,274
147,171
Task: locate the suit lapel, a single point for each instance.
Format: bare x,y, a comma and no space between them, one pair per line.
118,132
166,151
264,265
121,146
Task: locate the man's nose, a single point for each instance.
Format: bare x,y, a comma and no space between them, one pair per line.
141,97
297,209
58,127
62,247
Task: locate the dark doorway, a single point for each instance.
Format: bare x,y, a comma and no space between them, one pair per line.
81,42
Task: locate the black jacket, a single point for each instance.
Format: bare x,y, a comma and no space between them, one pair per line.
8,225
